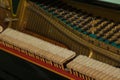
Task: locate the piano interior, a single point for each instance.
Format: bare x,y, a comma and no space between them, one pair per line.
90,28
